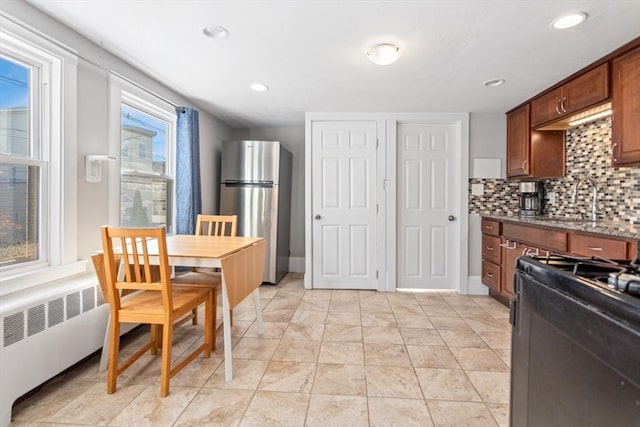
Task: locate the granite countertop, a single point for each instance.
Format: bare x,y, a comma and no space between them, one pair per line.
620,229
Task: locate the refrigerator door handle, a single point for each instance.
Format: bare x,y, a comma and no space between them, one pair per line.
264,184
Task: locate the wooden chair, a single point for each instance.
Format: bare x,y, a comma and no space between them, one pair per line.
211,225
156,303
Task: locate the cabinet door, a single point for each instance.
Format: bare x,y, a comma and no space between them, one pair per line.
518,142
546,108
625,103
587,90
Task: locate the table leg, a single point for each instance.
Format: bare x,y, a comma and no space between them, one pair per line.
226,332
256,299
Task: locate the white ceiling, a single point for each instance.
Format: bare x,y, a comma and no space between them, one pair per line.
311,53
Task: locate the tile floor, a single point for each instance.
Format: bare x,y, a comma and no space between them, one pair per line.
328,358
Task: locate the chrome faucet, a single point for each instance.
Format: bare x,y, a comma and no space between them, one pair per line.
594,202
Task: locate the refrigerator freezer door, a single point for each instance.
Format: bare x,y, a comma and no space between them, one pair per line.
252,161
256,207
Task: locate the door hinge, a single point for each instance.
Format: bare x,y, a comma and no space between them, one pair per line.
377,143
377,208
376,274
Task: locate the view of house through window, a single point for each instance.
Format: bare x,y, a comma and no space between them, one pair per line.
19,166
146,185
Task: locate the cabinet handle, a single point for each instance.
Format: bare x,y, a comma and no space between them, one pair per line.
558,106
489,227
524,166
490,275
594,248
564,98
507,245
489,248
613,151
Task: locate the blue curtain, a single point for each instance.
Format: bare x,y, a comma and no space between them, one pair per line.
188,193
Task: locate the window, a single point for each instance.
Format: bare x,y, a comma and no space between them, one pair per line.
20,162
38,160
146,165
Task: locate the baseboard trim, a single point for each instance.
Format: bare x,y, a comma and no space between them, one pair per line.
476,287
296,264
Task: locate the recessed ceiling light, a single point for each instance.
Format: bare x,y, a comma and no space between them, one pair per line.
569,21
215,32
384,54
494,82
259,87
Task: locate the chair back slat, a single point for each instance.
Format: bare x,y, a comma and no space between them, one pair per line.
216,225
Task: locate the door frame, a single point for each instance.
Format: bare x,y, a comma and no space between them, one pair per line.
461,234
386,191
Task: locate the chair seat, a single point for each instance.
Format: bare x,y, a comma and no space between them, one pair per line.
150,302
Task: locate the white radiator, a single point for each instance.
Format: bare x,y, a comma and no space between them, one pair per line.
44,331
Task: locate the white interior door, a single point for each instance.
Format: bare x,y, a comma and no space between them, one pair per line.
428,209
344,204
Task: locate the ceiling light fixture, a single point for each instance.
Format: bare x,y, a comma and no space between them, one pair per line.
494,82
259,87
569,21
591,118
215,32
384,54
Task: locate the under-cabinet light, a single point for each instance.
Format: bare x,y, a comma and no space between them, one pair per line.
590,118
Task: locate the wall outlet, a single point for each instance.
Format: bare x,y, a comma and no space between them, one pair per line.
551,197
477,189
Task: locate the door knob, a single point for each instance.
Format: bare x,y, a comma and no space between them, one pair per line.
451,218
317,217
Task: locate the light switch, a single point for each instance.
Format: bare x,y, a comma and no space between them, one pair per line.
477,189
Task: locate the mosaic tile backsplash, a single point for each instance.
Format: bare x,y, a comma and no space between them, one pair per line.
588,155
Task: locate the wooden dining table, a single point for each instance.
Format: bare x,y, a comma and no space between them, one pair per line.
214,252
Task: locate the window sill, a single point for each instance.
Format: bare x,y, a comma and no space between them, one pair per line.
19,281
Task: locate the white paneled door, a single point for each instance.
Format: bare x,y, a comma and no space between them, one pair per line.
428,194
344,204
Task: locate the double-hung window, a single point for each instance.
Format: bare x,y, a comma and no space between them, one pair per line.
147,147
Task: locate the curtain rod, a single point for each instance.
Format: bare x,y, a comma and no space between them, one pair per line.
73,52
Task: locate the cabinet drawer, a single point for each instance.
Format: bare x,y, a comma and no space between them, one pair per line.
491,275
490,227
541,237
585,245
491,248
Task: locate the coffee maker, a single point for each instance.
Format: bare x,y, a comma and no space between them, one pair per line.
531,198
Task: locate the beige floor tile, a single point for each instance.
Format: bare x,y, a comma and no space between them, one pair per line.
277,315
149,409
500,412
406,308
255,348
449,323
246,375
270,408
504,355
340,379
382,334
488,324
212,406
378,319
492,386
421,336
442,309
297,351
309,316
341,352
304,331
314,305
279,303
384,412
456,414
464,311
413,321
95,406
197,372
479,359
432,356
345,296
336,317
446,384
344,333
288,376
392,381
497,340
345,307
327,410
386,355
49,400
272,330
457,338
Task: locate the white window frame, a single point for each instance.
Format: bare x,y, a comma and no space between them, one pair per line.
123,92
54,149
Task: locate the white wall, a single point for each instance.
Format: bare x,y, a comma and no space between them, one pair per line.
292,137
92,121
487,139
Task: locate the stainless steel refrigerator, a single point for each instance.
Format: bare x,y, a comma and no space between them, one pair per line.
256,185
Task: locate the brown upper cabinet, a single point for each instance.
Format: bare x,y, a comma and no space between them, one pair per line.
533,154
625,103
583,92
